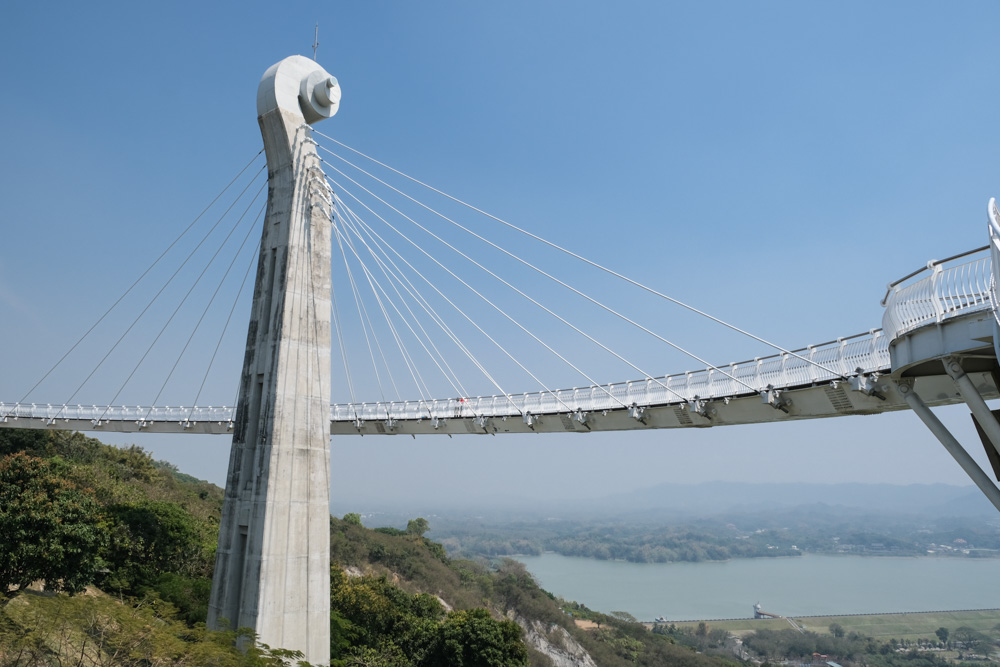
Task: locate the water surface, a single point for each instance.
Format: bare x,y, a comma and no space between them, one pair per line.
810,585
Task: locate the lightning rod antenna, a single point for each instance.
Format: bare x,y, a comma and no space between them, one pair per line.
315,41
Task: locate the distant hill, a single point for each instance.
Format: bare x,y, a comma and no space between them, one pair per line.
682,502
717,497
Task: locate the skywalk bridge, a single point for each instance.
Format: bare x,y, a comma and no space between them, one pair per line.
855,375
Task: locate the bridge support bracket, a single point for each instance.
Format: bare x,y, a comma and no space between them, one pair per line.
866,384
975,401
638,413
906,389
776,399
701,407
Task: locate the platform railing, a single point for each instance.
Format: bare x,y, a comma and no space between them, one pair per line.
940,291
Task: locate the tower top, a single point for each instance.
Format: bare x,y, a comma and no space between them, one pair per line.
300,86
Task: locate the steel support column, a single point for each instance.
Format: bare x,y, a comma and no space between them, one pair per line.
975,400
953,446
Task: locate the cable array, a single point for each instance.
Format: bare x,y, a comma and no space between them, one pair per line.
195,266
439,251
429,299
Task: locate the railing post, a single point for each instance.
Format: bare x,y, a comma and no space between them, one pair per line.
934,296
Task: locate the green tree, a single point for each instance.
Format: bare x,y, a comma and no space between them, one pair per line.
964,635
49,529
942,634
417,526
971,640
352,518
837,630
385,655
473,638
150,538
29,440
624,616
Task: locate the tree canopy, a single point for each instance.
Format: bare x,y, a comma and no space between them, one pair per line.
417,526
50,529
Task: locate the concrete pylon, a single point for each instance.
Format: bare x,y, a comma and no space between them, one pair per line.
272,569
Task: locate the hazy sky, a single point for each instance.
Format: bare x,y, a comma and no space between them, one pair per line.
774,163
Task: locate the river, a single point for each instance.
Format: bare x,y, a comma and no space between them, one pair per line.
811,585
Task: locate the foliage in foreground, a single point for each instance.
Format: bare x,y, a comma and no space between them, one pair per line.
372,619
98,631
52,530
74,512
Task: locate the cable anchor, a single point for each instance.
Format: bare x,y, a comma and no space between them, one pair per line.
700,406
776,399
637,413
866,384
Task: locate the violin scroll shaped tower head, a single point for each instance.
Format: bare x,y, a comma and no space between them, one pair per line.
299,86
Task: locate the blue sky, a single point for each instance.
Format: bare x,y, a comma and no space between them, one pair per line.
774,163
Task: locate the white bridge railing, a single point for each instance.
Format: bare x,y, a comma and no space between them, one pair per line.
942,290
102,413
819,363
814,364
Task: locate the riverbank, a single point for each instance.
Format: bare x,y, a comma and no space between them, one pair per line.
909,625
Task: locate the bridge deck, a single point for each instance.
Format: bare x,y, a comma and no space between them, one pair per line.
831,379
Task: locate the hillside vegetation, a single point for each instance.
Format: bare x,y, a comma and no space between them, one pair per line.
106,558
